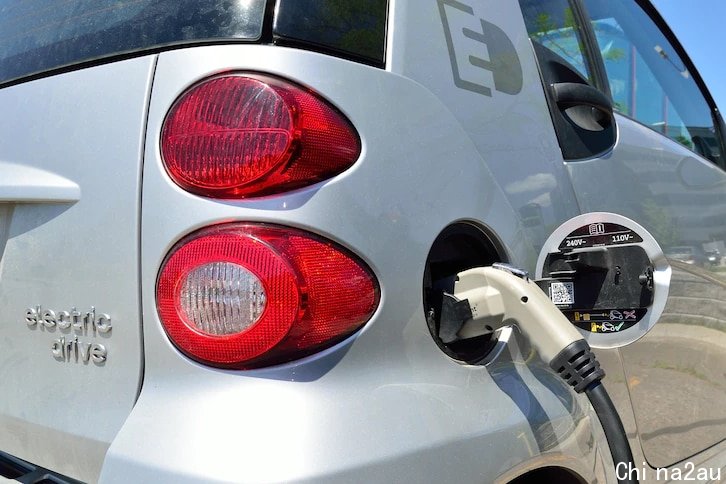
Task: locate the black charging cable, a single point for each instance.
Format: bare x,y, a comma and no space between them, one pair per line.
484,299
578,366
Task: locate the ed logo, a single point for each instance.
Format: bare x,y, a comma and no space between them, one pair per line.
482,56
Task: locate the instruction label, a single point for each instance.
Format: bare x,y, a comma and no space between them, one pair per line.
605,320
599,234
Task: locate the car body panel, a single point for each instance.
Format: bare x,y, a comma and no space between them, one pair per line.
512,131
389,386
78,139
444,139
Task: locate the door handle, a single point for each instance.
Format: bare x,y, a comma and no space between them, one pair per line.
570,94
27,184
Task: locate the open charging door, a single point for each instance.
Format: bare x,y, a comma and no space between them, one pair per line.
607,275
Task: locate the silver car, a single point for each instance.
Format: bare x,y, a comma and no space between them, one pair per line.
228,229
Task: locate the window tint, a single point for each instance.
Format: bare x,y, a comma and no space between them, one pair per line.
356,27
39,35
648,80
552,24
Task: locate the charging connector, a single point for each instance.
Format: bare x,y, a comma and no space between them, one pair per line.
488,298
501,295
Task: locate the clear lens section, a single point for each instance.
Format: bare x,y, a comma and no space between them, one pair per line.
222,298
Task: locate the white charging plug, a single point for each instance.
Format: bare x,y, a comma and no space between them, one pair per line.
502,296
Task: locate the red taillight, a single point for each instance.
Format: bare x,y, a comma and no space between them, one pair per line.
239,136
245,296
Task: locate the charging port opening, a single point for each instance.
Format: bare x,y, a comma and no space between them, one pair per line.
460,246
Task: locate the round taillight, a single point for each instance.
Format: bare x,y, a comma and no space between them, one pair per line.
248,295
246,135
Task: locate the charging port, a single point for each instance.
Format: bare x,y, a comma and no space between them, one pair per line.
458,247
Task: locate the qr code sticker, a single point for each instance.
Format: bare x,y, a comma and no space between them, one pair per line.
562,292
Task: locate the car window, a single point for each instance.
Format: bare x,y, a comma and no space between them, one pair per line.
38,35
552,24
572,77
354,27
648,80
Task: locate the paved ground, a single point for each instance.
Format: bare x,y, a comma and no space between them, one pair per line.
677,373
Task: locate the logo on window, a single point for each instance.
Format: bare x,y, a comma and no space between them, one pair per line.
482,56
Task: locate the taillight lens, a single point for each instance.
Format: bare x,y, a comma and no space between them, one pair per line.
248,295
238,136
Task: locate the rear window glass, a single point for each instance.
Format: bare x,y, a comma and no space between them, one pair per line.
353,27
40,35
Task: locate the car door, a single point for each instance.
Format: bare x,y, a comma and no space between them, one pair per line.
70,174
660,162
